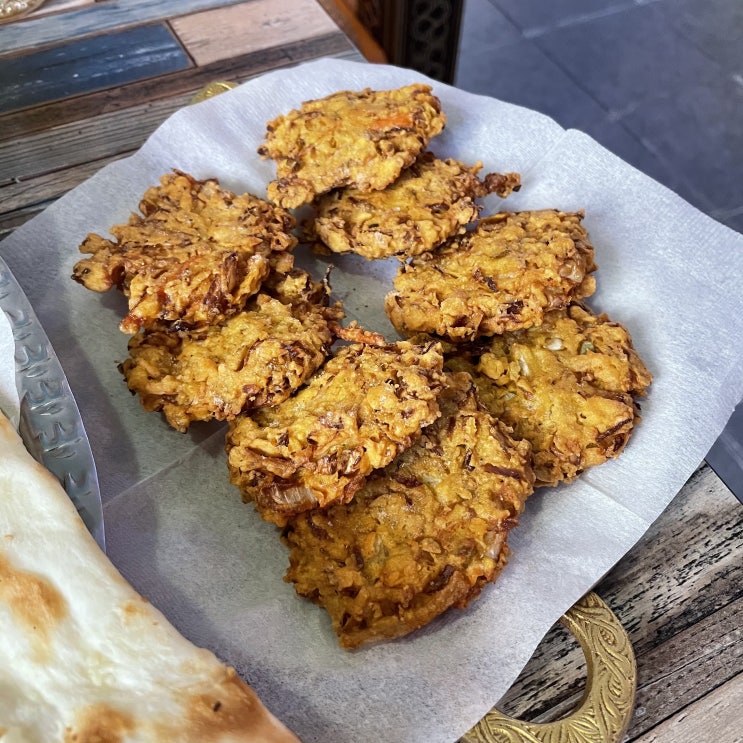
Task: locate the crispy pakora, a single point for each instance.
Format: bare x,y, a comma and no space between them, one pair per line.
567,387
362,139
254,358
426,533
502,276
194,256
361,409
431,201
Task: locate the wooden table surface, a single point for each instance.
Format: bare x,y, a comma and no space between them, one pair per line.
83,83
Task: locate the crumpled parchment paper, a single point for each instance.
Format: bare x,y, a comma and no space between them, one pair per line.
177,529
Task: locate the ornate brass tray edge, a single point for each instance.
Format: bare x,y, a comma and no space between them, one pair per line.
604,713
14,10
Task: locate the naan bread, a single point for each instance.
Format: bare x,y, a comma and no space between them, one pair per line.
83,657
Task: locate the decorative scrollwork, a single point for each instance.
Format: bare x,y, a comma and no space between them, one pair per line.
50,423
12,10
605,710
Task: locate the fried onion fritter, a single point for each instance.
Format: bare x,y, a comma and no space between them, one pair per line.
422,535
362,139
431,201
254,358
502,276
567,387
361,409
195,254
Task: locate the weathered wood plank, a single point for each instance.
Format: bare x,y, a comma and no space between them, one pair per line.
687,667
91,64
20,195
69,145
53,28
687,566
715,718
18,124
72,153
214,35
361,37
685,569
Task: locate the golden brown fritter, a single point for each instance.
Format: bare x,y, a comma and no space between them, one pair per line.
257,357
503,276
195,255
361,409
431,201
422,535
362,139
567,387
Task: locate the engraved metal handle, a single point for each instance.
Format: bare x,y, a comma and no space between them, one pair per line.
13,10
212,89
605,711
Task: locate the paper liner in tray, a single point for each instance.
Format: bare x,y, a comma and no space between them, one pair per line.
178,530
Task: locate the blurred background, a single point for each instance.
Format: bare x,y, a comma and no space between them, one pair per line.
657,82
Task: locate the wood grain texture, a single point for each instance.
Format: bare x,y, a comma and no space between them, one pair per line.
690,665
105,15
344,15
59,6
68,145
681,584
714,719
215,35
21,123
90,64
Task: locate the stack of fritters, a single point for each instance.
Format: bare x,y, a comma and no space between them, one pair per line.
395,475
567,387
502,276
226,324
502,295
362,139
255,358
425,533
195,255
360,158
431,201
362,408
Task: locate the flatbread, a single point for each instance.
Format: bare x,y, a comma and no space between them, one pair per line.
85,658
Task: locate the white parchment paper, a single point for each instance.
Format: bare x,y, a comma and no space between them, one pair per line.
179,532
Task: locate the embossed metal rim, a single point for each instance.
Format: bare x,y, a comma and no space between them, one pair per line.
17,9
50,424
604,713
212,89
